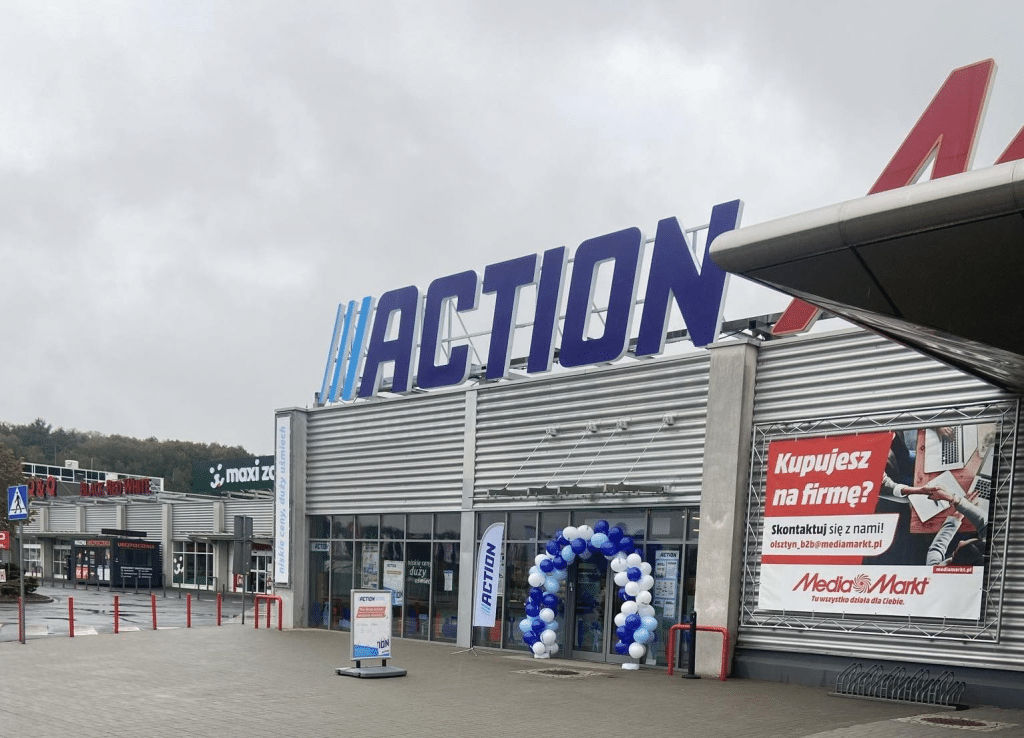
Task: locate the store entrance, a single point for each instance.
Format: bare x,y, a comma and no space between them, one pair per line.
587,606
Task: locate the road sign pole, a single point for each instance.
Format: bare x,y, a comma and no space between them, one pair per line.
17,509
21,565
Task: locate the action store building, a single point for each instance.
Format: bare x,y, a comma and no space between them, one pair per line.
785,489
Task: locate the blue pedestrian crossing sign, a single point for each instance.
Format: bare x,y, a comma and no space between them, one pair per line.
17,502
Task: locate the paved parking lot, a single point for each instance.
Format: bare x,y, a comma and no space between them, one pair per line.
94,611
234,681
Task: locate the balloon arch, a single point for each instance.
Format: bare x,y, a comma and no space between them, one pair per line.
635,623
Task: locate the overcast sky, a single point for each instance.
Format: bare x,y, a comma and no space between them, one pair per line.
188,189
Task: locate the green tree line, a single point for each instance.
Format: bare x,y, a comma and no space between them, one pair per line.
38,442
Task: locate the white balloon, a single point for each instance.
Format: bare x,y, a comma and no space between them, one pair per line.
538,648
644,598
585,532
536,579
620,620
548,637
632,588
646,582
539,558
618,563
570,533
620,579
629,607
644,567
636,650
547,614
634,559
645,610
534,569
553,649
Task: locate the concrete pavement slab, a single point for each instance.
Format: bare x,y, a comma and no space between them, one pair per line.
233,681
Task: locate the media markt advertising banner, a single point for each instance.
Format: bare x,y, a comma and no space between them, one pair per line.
371,624
882,523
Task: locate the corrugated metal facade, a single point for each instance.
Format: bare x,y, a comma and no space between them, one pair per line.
594,428
147,518
100,516
261,512
404,455
64,518
863,378
189,518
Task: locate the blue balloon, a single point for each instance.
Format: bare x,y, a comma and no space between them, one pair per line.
601,526
621,648
530,638
552,585
552,547
536,593
532,608
586,554
550,600
624,595
538,626
546,566
632,622
615,534
568,555
609,549
579,545
642,635
598,540
526,625
624,634
626,545
649,621
553,625
562,540
634,574
558,562
560,574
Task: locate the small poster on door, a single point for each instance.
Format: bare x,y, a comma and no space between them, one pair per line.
666,580
394,579
371,555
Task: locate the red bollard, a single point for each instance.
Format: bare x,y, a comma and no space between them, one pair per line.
218,607
71,617
152,600
188,610
117,614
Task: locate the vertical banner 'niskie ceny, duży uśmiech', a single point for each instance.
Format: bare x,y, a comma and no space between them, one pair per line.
882,523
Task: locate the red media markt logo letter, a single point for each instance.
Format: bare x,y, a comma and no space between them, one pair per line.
945,133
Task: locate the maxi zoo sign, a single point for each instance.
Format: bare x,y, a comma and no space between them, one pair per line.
361,348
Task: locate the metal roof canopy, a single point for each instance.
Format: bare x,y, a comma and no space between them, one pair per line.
937,266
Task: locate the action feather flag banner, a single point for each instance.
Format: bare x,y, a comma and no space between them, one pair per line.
488,561
842,536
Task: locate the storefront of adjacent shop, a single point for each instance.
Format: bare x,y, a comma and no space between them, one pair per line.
112,529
